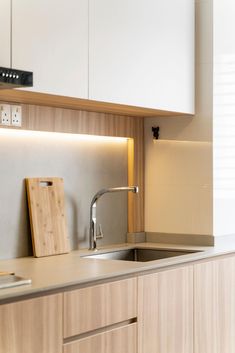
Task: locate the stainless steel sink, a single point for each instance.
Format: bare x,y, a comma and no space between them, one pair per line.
142,255
8,281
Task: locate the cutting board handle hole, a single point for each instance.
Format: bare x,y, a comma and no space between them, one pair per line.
46,183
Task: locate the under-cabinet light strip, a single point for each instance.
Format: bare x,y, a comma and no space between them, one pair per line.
60,135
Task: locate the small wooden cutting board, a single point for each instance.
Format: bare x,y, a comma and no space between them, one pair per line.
47,216
5,273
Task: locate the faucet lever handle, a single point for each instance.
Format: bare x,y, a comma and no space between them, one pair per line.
100,235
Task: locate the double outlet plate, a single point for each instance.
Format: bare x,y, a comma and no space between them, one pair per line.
10,115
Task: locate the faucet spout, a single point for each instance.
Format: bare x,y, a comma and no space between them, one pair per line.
93,225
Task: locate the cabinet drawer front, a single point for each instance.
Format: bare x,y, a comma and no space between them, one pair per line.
121,340
98,306
165,317
32,325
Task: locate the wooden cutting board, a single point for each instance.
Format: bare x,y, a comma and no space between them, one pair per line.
47,216
5,273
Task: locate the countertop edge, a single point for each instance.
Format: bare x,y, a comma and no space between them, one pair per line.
22,292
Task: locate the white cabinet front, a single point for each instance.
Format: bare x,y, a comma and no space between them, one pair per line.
142,53
50,38
5,33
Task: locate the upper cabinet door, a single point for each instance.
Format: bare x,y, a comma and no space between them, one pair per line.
50,38
142,53
5,33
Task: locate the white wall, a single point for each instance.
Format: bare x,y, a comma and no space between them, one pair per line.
85,165
179,166
224,117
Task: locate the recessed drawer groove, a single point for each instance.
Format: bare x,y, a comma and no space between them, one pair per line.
119,340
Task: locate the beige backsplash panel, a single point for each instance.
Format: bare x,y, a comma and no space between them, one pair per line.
86,165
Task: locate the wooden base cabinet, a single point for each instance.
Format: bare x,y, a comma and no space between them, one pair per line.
32,326
120,340
188,309
101,318
91,308
165,315
214,306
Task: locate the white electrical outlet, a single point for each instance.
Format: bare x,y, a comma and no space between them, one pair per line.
5,114
16,115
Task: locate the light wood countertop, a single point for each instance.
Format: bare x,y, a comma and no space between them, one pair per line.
62,271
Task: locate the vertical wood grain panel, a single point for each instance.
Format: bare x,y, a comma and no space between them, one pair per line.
131,179
165,312
88,309
215,306
32,326
138,202
121,340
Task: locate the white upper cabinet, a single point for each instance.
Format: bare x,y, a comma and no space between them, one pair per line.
50,38
142,53
5,33
120,51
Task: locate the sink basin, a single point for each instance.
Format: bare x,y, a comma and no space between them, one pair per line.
142,255
7,281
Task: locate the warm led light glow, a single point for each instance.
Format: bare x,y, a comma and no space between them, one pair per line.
60,136
167,142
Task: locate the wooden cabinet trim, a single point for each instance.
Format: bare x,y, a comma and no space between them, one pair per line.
52,100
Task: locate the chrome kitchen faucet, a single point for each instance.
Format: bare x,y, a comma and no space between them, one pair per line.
93,226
